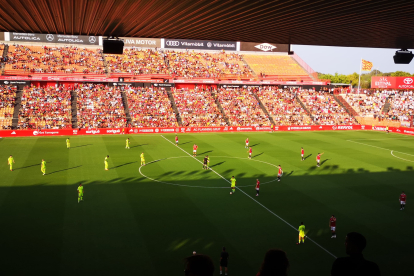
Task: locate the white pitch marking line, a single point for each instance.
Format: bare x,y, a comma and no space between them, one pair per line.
400,157
378,147
270,211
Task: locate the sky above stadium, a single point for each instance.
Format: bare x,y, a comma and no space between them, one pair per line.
346,60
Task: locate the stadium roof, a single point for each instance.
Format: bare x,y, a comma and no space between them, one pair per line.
359,23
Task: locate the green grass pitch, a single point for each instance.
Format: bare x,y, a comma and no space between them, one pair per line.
129,224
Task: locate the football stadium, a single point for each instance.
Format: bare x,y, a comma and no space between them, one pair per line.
172,142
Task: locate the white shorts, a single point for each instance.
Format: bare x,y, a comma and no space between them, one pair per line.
247,144
194,151
176,142
402,202
301,155
318,161
279,175
333,228
257,189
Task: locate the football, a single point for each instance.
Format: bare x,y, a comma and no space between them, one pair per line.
231,193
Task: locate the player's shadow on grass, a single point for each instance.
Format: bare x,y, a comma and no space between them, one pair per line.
323,162
66,169
289,174
218,164
204,152
29,166
124,164
138,146
254,156
307,156
185,143
81,146
255,145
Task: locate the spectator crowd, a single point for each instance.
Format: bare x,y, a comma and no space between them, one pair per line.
99,106
45,107
7,103
197,107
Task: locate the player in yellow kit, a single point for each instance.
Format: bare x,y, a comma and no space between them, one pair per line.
301,233
233,185
10,161
142,159
43,167
68,143
106,163
127,144
80,193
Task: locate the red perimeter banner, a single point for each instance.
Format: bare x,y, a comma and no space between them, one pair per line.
158,130
392,82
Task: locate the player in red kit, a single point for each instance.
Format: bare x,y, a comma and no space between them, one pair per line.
257,187
279,173
195,147
332,225
318,159
247,143
176,140
403,198
250,153
302,152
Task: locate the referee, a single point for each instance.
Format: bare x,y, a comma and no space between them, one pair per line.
205,163
223,261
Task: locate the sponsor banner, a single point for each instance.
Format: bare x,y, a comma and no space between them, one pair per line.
166,84
200,44
392,82
240,85
61,78
104,131
14,82
263,47
55,38
141,42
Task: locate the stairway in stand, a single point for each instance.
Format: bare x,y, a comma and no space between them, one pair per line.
264,108
342,102
220,108
18,104
174,107
74,108
306,109
126,108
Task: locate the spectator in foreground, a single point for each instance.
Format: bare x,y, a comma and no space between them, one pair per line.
199,265
355,264
224,257
275,263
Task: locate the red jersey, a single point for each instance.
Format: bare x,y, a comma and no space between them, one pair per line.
176,139
257,184
195,147
403,197
318,157
247,140
250,151
332,221
280,171
302,151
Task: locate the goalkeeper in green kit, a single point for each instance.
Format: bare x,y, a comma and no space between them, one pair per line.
43,167
80,193
10,161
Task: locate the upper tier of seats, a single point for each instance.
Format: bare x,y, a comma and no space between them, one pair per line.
23,59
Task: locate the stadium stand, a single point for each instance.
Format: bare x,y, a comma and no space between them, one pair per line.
136,62
241,107
99,106
402,106
325,108
23,59
150,107
45,108
283,107
7,103
277,67
197,107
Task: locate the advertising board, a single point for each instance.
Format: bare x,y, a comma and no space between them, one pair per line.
392,82
263,47
55,38
200,44
141,42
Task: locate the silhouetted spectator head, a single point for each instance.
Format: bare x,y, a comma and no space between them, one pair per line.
275,263
355,243
199,265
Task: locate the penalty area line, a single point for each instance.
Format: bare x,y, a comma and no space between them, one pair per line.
267,209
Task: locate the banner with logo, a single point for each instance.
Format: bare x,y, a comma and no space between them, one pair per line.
55,38
16,83
200,44
142,42
263,47
392,82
